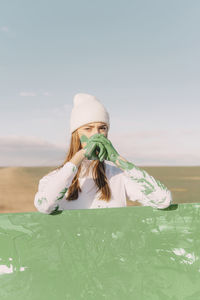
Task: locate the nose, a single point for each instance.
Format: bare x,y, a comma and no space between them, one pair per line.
96,130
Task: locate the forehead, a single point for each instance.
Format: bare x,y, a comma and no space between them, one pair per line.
94,124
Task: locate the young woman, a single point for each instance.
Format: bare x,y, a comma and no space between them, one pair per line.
94,174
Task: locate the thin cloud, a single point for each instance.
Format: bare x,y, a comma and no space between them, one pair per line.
156,148
27,94
12,142
135,147
30,151
33,94
165,159
46,94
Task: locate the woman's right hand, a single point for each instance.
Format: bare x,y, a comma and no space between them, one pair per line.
94,150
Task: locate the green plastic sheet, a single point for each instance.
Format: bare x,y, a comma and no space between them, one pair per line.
111,253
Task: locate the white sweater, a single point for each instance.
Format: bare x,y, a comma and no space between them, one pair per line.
135,184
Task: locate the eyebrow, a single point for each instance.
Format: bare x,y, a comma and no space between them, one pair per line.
93,126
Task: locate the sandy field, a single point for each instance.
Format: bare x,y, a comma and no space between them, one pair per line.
18,185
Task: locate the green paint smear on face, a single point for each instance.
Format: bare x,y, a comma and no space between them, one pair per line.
84,139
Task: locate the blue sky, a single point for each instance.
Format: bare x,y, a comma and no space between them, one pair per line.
139,58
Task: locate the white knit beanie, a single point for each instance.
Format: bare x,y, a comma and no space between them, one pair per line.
87,109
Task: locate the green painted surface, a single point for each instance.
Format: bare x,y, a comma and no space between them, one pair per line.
116,253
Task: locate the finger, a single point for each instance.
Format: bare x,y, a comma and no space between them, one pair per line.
101,139
100,144
93,153
90,148
97,151
103,155
102,150
93,157
96,136
87,147
101,147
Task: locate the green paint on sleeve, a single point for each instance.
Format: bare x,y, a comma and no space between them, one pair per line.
56,211
40,201
147,190
144,180
124,165
62,193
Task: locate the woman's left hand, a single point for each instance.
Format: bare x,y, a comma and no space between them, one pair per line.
111,153
95,151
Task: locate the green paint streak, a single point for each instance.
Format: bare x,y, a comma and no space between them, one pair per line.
151,186
124,165
56,211
155,202
144,180
147,190
40,201
84,139
161,185
63,192
144,174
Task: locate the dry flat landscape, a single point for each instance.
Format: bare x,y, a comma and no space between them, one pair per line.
18,185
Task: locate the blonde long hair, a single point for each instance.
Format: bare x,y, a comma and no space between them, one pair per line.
98,173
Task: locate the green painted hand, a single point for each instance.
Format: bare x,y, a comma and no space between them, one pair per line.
94,150
109,153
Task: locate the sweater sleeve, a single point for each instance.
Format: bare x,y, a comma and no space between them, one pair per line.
140,186
52,188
